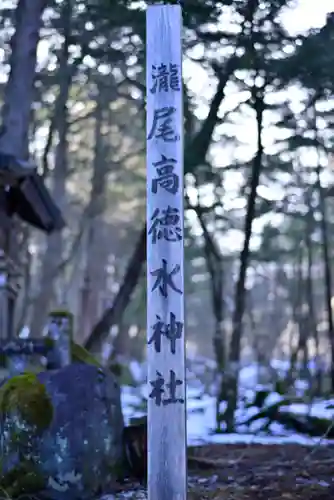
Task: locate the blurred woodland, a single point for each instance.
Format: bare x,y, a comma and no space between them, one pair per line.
259,137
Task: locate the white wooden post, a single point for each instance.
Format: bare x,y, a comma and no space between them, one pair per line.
167,452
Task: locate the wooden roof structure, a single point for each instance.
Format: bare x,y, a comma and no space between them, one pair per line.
24,193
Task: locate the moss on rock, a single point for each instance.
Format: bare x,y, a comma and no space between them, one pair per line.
78,353
25,412
26,397
25,478
39,449
81,355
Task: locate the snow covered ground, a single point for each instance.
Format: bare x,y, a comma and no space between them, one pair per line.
201,410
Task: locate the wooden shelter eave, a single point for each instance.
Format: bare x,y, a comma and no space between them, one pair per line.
27,196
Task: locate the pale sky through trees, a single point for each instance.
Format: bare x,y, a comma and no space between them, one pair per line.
307,14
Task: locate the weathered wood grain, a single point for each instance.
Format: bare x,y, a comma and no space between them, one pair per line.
167,465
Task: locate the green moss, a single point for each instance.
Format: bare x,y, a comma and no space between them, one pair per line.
61,313
26,396
78,353
81,355
23,479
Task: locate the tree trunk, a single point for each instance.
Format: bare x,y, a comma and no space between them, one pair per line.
230,381
19,91
296,299
310,294
114,315
96,252
53,253
326,254
302,348
327,272
16,114
214,264
195,154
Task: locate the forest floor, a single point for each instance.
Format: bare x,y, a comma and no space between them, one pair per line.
256,472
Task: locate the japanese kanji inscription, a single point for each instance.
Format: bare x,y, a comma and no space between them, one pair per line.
166,224
160,388
165,78
165,177
165,256
171,331
163,126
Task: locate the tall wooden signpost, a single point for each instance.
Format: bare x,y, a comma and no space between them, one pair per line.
167,462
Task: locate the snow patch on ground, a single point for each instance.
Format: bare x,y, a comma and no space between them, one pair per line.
201,408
